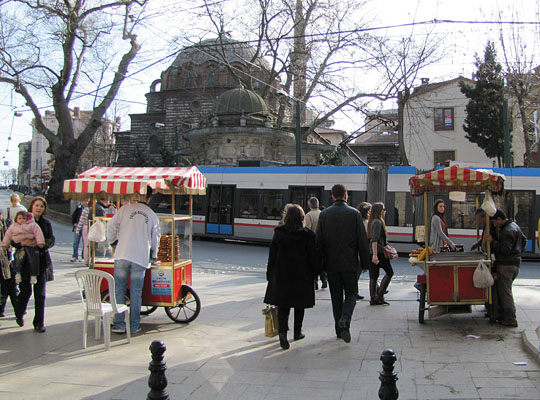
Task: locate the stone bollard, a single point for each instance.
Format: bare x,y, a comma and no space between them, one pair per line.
157,380
388,389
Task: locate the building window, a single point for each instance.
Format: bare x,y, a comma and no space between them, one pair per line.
153,145
444,119
442,158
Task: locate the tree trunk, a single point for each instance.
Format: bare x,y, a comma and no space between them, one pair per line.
65,167
401,108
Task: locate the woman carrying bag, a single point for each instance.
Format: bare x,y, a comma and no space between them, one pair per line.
438,236
377,234
292,266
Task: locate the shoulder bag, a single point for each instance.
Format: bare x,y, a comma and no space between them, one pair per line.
390,253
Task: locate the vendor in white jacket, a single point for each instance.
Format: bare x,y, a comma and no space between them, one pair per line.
134,232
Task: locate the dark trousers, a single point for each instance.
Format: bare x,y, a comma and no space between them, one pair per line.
283,319
343,290
39,297
8,289
505,277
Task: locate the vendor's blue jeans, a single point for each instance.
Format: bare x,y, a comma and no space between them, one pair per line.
123,269
76,242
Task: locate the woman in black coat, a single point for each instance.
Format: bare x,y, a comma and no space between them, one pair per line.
292,266
38,207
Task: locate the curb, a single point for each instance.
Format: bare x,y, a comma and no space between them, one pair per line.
50,214
531,343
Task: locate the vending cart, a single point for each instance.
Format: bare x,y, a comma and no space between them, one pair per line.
168,282
448,278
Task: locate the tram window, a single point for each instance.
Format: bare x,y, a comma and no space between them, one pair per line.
273,203
400,204
182,204
463,213
297,196
249,203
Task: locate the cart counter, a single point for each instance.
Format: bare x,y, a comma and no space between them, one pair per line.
162,283
449,279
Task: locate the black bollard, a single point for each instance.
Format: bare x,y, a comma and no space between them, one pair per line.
157,381
388,389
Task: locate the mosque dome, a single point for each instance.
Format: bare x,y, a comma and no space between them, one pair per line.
240,101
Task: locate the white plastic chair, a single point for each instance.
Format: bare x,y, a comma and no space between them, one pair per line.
89,281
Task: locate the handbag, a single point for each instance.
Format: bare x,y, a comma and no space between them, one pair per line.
390,253
482,277
270,321
96,233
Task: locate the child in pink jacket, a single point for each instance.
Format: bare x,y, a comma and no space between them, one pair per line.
25,228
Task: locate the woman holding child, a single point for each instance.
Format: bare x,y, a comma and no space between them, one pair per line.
38,207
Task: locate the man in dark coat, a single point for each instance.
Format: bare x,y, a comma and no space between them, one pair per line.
342,240
508,247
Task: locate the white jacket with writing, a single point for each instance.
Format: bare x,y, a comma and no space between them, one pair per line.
136,228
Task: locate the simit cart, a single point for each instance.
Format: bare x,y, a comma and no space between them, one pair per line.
448,278
168,283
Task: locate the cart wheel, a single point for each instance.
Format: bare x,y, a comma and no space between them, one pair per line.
187,309
147,310
422,303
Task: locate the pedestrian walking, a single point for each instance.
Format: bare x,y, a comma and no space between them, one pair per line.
508,247
377,235
14,207
38,208
75,216
292,264
81,231
8,287
341,239
310,222
364,208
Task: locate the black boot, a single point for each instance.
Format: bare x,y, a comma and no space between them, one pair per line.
283,342
298,333
382,289
373,292
3,301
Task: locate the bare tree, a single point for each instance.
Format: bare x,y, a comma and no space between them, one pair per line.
50,49
520,46
325,55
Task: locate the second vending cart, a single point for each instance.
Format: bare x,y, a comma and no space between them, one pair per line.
167,283
448,278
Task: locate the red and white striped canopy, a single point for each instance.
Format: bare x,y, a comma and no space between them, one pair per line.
134,180
456,178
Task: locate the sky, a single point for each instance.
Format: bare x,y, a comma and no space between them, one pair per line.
460,42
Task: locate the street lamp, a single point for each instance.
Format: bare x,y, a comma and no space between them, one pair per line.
298,133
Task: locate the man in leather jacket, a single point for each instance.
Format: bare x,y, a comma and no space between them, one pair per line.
342,240
507,248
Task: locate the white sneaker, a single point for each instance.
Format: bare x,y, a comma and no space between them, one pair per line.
73,260
138,330
118,330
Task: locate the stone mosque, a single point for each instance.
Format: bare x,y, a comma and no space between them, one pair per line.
200,112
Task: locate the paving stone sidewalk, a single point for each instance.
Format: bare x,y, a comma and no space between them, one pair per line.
223,354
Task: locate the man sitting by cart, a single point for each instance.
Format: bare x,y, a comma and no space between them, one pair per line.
507,248
134,234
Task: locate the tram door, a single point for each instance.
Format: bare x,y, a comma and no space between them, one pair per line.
301,194
521,208
220,210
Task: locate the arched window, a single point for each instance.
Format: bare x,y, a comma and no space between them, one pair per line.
153,144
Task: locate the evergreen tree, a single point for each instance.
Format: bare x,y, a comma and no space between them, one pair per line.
484,121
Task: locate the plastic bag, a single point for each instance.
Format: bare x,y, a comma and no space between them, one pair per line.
489,205
96,233
482,277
